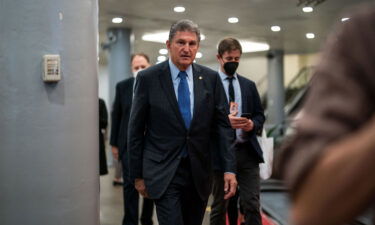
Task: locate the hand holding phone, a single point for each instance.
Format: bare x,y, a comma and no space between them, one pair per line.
233,108
246,115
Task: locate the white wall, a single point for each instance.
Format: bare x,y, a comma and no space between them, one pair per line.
104,94
254,68
104,85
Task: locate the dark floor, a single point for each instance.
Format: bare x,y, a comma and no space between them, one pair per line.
111,205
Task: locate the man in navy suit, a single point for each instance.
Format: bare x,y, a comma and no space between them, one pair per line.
247,119
178,110
120,120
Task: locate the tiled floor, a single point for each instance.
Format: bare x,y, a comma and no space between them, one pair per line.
111,203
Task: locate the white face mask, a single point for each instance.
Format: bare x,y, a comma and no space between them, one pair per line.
136,73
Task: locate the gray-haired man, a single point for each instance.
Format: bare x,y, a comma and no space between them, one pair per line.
178,110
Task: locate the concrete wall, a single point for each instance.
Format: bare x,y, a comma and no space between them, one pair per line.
49,132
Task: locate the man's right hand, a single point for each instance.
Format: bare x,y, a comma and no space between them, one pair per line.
230,185
141,187
115,152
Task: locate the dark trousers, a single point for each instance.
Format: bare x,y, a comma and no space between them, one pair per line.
147,210
248,182
232,209
131,199
181,204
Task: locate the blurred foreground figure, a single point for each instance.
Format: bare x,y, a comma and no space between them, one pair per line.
329,163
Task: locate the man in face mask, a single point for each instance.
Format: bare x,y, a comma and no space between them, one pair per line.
247,118
120,121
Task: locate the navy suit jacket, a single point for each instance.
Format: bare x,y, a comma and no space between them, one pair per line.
120,115
250,104
157,133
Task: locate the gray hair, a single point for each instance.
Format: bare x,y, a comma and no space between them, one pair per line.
184,25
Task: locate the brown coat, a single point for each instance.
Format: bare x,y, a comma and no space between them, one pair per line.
341,99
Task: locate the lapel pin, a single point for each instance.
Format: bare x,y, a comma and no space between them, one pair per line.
200,77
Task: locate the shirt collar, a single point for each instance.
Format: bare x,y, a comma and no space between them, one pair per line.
223,76
175,70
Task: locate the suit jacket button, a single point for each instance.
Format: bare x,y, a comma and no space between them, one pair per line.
187,138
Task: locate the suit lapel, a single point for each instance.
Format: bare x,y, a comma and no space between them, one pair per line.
165,78
132,91
199,89
243,94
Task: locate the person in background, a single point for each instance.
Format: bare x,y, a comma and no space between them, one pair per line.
246,118
178,108
117,179
120,120
103,123
329,163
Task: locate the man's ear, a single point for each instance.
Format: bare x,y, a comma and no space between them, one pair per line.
168,44
219,59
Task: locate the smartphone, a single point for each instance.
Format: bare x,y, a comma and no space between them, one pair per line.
246,115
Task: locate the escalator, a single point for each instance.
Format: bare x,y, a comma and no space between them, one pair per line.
274,197
295,93
275,204
296,90
275,201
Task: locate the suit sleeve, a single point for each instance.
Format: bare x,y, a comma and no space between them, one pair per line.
258,113
137,122
224,131
116,118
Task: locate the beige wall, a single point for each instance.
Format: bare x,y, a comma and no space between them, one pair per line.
254,68
294,63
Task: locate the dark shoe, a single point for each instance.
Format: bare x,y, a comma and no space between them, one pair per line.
117,183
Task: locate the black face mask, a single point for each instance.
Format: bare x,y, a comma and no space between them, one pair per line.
230,68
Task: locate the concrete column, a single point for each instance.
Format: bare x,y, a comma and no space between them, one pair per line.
275,94
119,57
49,131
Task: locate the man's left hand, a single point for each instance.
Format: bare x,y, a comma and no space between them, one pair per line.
141,187
230,185
249,126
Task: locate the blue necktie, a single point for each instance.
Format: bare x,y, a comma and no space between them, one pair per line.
184,98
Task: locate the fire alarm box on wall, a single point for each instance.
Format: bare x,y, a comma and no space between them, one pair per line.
51,68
